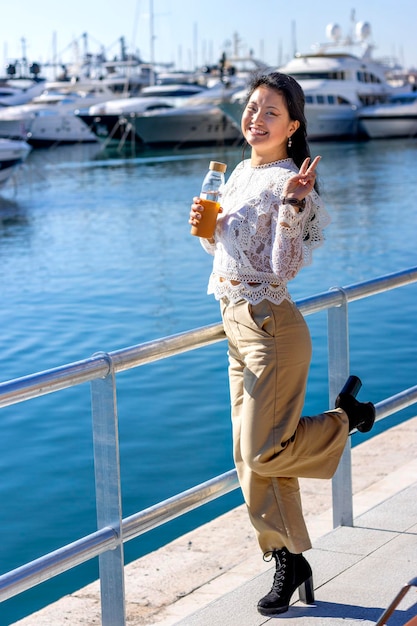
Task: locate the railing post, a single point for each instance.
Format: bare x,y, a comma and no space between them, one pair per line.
108,494
338,346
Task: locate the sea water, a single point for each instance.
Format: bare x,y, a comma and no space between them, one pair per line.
96,255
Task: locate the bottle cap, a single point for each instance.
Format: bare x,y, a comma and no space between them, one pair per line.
217,166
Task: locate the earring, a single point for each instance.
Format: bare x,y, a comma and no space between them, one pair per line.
289,141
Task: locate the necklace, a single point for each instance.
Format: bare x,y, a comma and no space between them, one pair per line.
265,165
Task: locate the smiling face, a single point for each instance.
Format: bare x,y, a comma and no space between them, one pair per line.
266,125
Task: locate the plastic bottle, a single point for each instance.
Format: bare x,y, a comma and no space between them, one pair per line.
210,200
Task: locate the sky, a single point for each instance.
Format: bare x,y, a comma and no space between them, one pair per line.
192,33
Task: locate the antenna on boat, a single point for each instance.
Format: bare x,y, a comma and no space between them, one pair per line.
152,42
352,24
294,37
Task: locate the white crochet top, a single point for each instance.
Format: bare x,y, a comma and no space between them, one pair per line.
258,239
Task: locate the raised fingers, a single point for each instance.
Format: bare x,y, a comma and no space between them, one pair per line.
312,168
304,166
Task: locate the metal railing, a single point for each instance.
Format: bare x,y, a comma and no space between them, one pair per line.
107,542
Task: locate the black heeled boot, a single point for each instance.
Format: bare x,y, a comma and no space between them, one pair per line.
292,571
361,414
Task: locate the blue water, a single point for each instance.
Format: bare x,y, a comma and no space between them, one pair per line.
95,254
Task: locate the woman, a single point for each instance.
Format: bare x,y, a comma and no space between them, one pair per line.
271,220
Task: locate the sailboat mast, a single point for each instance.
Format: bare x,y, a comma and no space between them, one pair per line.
152,42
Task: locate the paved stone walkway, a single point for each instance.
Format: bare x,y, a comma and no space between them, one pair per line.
174,584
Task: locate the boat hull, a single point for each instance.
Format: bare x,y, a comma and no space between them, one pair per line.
199,126
387,122
331,123
14,128
12,155
109,127
47,130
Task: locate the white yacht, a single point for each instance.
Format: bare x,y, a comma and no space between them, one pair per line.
50,117
12,155
199,121
337,83
397,118
113,120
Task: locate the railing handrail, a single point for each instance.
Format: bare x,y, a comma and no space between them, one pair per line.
90,546
86,370
113,533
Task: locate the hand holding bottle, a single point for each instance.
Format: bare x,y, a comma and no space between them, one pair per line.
206,207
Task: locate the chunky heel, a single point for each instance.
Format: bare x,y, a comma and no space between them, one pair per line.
292,572
352,386
361,415
306,591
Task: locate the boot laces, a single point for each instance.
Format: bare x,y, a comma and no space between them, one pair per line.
281,564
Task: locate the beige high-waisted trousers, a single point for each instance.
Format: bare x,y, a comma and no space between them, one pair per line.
269,358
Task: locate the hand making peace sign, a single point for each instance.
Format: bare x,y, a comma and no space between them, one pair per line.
300,185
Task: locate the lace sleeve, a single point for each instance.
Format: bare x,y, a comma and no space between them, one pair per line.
208,247
287,252
296,236
318,219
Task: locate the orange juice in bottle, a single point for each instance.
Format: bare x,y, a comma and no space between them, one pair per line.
210,200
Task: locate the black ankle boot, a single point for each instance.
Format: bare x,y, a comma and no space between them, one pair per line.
361,414
292,571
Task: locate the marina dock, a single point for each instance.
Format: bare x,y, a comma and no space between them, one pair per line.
214,575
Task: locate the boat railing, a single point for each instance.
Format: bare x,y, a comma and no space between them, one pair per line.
100,370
